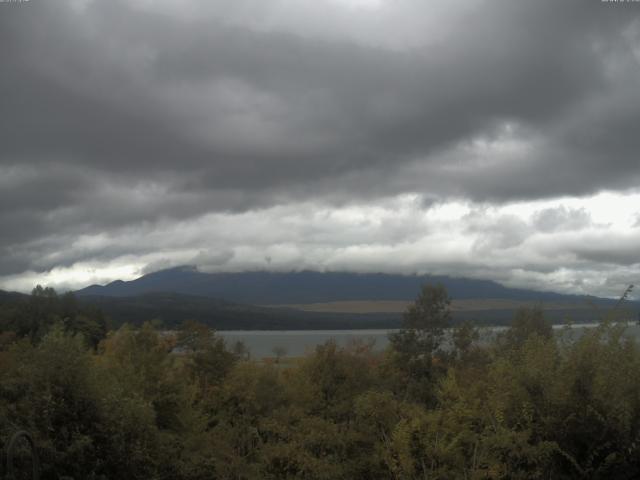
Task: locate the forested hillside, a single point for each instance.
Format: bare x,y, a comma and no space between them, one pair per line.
170,310
137,404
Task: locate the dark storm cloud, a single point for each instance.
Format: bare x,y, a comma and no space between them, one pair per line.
116,116
622,250
105,88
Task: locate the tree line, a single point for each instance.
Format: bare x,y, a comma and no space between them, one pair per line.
137,403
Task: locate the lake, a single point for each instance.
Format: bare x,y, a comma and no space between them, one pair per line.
295,343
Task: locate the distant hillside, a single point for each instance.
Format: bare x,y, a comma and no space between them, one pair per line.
170,310
270,288
457,306
11,297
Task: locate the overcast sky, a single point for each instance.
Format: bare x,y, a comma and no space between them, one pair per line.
491,139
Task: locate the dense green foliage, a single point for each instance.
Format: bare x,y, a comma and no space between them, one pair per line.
141,404
33,316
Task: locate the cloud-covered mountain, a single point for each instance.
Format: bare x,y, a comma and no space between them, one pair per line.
272,288
484,139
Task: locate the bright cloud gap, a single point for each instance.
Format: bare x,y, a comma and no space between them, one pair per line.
559,244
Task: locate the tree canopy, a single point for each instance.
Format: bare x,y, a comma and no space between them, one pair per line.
437,404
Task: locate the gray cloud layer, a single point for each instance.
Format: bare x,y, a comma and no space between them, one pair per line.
127,117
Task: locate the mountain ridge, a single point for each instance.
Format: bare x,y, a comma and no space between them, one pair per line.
302,287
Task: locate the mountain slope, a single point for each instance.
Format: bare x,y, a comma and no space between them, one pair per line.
272,288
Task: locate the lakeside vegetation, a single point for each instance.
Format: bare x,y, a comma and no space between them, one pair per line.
133,403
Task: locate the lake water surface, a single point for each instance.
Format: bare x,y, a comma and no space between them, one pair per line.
263,343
